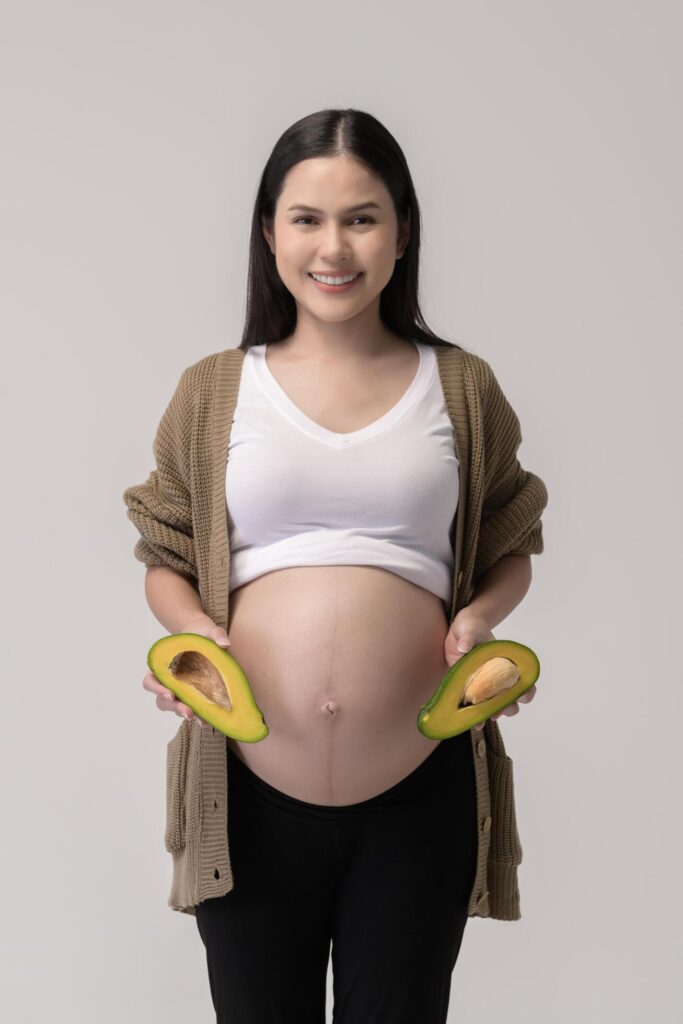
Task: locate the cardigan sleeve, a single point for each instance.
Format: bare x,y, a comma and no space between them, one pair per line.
514,497
161,507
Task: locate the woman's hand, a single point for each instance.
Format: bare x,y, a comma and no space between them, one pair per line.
166,699
467,630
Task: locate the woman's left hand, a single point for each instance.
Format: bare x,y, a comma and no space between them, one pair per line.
467,630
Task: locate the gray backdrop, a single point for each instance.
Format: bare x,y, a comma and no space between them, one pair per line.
544,140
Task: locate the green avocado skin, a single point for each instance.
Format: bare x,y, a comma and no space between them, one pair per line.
442,716
252,727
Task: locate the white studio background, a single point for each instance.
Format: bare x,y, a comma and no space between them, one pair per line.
545,147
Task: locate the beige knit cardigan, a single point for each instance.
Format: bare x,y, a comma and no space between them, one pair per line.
181,515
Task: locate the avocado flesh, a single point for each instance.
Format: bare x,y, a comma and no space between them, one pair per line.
442,716
210,681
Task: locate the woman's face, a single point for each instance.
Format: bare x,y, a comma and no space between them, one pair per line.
351,228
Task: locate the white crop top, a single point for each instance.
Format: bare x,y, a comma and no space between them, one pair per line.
299,494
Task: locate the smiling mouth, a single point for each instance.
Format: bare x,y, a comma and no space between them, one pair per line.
329,286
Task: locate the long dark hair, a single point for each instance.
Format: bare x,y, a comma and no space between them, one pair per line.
271,309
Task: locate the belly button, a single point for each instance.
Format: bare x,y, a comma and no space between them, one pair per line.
330,706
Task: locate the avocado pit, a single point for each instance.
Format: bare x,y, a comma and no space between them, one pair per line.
194,669
494,676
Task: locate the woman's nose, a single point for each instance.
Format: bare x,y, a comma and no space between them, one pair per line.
334,246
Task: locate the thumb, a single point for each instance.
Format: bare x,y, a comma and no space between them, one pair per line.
465,643
222,638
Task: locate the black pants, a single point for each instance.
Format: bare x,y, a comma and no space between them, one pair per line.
386,881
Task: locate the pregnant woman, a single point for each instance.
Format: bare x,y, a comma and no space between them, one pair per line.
339,500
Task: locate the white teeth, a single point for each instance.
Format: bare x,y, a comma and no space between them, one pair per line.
334,280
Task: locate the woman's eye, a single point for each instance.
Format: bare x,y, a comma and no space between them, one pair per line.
363,217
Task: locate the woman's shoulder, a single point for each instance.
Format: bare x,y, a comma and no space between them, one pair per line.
200,375
475,368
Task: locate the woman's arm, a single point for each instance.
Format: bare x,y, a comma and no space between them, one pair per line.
514,498
173,599
161,507
499,590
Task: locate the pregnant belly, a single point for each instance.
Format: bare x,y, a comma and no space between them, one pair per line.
340,659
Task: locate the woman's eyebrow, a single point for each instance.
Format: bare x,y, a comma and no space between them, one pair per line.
351,209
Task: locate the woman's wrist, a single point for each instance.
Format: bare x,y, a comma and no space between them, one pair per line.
500,590
472,619
200,619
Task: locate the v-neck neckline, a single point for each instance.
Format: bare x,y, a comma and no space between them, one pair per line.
282,400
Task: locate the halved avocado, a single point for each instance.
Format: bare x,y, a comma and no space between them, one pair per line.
447,711
209,680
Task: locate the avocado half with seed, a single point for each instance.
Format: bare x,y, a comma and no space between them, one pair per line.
209,680
479,684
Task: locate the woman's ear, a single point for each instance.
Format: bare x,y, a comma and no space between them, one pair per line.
268,234
403,236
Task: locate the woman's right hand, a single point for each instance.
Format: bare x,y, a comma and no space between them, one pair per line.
166,699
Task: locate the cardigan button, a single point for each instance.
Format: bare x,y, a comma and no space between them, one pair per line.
486,824
481,747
